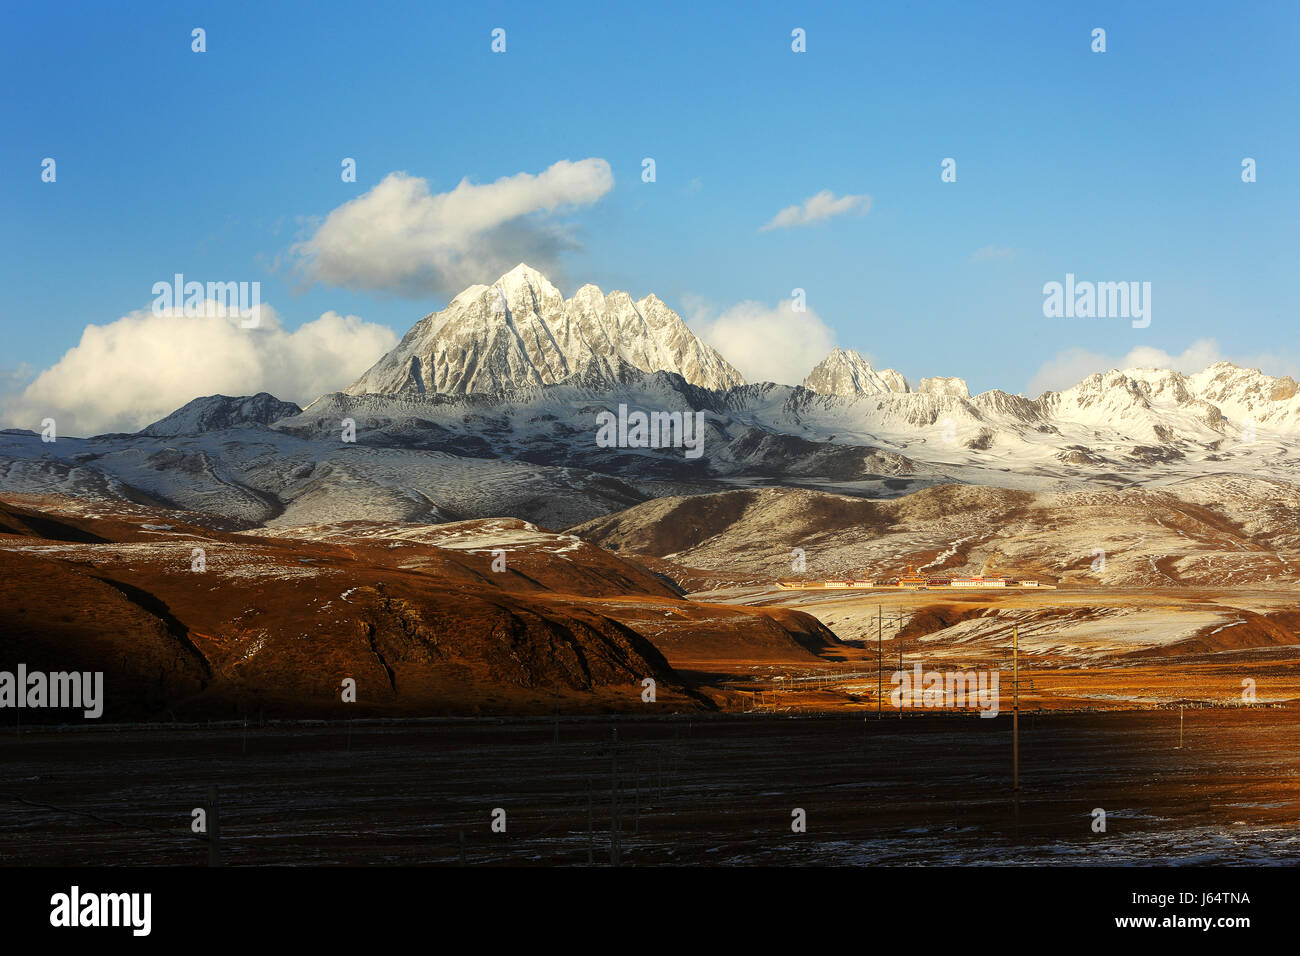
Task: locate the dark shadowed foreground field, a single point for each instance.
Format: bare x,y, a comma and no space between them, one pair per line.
714,790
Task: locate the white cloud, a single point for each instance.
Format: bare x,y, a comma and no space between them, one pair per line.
16,379
1194,358
818,208
989,253
399,237
1073,365
1068,368
139,368
767,344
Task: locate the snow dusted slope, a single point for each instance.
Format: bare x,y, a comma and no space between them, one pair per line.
254,476
1138,425
214,412
532,451
1111,430
521,331
1204,531
557,426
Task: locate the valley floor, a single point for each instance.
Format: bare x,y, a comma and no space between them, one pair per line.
1104,649
722,789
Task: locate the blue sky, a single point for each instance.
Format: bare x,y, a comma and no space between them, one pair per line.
1123,165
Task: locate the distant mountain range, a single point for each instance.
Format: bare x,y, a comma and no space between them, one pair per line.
520,331
489,408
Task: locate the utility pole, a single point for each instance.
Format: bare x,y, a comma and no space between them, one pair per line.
900,671
896,619
1015,708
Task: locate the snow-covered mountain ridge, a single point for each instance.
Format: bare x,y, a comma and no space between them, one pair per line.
521,331
490,408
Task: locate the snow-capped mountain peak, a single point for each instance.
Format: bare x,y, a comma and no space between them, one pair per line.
1247,394
520,330
938,385
848,373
